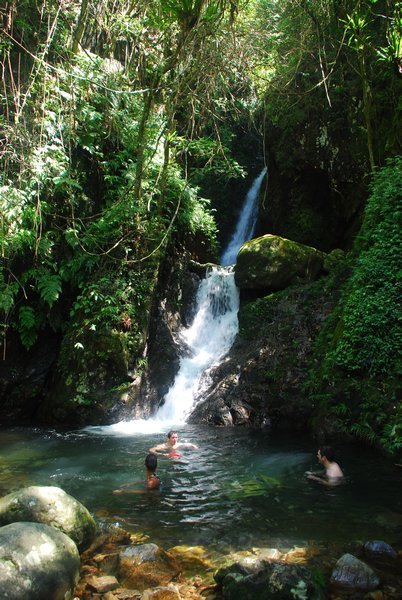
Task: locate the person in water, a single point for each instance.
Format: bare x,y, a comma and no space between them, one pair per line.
172,445
152,481
333,473
151,463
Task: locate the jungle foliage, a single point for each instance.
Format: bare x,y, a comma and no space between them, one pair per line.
356,380
118,117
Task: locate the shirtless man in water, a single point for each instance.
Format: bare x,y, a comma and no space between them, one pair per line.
333,472
171,446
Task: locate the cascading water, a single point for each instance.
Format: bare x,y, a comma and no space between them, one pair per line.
209,338
211,334
246,224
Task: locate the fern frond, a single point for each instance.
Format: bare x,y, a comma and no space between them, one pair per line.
49,286
27,326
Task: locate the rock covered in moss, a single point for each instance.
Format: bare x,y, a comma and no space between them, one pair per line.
37,562
273,263
51,506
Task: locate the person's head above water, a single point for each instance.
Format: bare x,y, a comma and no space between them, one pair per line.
151,462
326,452
173,437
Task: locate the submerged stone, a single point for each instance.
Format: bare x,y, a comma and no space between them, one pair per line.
353,574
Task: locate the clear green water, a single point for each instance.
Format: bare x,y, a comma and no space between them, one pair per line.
241,489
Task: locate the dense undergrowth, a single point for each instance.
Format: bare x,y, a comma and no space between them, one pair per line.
356,377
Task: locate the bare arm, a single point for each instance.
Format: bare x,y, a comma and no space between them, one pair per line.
158,448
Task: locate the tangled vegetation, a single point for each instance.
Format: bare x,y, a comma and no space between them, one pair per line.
359,353
120,123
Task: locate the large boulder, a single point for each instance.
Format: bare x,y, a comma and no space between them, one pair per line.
272,263
37,562
51,506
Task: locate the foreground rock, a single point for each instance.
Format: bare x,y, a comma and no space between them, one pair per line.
37,562
273,263
50,506
352,574
261,580
145,566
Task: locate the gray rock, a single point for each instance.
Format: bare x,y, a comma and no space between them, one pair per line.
37,562
378,549
353,574
50,506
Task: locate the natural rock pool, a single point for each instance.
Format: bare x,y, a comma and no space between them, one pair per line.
240,489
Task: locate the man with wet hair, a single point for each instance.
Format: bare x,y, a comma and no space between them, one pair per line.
333,473
172,444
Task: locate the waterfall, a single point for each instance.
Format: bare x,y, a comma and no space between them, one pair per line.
246,223
210,336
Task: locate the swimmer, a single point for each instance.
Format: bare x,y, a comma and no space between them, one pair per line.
152,481
333,473
170,447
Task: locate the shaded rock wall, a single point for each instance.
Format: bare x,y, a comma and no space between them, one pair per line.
261,382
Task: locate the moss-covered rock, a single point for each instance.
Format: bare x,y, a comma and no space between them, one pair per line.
273,263
51,506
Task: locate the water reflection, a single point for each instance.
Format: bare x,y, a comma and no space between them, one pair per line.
240,489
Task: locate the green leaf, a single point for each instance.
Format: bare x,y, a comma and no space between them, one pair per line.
27,326
49,286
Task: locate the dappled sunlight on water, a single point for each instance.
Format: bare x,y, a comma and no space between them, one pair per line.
240,489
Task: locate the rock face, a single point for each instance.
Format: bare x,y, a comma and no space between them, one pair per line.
37,562
273,263
262,381
50,506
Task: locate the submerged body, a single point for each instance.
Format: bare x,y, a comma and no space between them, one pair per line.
171,446
333,474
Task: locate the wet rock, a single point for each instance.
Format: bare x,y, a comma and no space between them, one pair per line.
353,574
379,551
192,558
254,579
37,562
162,593
145,566
121,594
50,506
103,584
273,263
